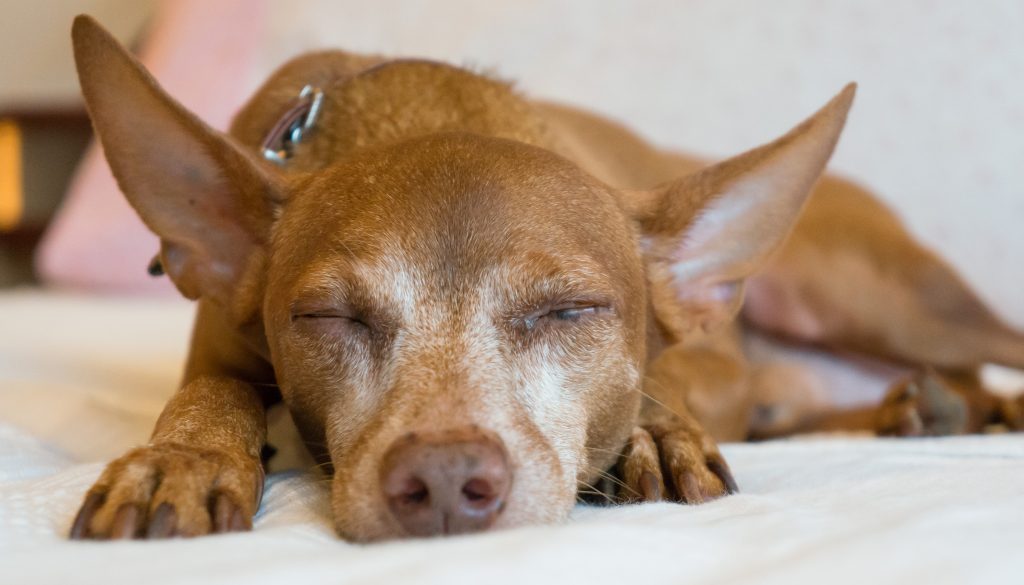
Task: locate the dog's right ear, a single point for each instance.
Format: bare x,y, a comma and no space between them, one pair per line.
210,202
704,234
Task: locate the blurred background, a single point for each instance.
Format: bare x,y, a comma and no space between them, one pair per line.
937,130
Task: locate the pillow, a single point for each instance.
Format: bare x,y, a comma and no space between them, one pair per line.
204,54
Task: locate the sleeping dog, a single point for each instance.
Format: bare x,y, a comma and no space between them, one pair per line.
477,307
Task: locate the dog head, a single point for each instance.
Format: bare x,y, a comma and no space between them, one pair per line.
457,316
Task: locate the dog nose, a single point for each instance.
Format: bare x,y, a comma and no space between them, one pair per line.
446,482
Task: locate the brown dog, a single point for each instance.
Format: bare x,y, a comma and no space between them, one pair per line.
459,295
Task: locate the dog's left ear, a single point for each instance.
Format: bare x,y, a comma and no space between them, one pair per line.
704,234
210,201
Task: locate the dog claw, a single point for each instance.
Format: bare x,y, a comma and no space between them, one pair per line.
80,527
227,517
720,468
640,470
223,509
689,488
126,522
650,487
239,522
164,522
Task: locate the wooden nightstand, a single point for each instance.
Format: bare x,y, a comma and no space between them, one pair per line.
39,152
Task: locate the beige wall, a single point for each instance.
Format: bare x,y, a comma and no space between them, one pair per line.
37,70
937,130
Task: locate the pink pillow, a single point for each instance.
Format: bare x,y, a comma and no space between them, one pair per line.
204,54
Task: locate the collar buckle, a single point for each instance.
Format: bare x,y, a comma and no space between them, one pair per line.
297,121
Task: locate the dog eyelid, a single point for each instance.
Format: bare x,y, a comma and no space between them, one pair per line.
338,323
322,316
326,313
564,312
573,313
322,310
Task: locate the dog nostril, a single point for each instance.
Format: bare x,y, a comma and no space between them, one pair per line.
415,493
478,491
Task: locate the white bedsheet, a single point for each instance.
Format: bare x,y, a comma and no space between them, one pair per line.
82,379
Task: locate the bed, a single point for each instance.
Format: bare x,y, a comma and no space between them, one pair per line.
83,378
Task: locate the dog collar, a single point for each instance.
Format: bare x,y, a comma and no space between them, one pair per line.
293,125
279,145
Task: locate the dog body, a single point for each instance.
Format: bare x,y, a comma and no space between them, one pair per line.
474,306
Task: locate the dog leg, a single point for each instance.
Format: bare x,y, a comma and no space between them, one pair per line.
927,403
850,277
200,473
930,403
709,381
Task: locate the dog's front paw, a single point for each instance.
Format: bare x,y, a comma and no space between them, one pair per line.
922,406
166,490
673,462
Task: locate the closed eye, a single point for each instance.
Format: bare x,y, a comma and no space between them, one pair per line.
330,319
572,313
564,313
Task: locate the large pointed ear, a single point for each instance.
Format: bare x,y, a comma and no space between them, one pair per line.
210,202
704,234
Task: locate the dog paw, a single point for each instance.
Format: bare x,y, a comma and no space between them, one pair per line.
166,490
1011,413
675,462
922,406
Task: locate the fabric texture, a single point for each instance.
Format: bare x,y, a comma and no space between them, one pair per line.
82,380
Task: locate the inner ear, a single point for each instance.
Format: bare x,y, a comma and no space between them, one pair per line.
210,201
706,233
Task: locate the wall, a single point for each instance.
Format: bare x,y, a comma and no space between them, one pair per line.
37,70
937,129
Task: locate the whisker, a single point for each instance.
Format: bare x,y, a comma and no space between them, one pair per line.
596,492
616,481
648,379
601,450
586,496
